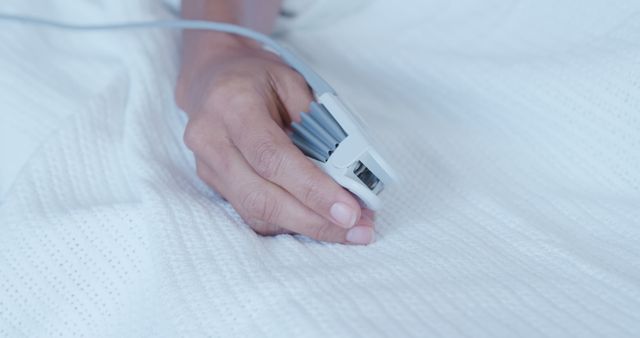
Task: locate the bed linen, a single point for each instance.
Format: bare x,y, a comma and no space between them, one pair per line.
513,125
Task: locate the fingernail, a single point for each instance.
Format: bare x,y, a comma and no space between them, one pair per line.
343,215
360,235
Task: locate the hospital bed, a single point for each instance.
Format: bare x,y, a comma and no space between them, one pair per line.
513,127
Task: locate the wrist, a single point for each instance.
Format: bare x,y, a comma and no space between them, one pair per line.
201,46
202,49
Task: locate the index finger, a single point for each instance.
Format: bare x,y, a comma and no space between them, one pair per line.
274,157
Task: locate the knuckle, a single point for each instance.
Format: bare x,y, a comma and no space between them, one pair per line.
219,154
228,87
194,135
208,177
297,80
258,226
263,228
259,206
209,146
236,104
312,192
202,172
262,231
269,159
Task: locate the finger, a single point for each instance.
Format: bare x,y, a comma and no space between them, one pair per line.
211,147
260,202
206,175
293,94
267,229
361,234
368,214
212,179
274,157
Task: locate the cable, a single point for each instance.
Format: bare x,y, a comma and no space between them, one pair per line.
319,85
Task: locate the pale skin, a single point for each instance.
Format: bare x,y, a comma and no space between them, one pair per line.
240,99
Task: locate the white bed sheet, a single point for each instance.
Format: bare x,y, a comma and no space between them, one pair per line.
514,126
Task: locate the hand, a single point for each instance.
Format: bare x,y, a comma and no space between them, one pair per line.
239,98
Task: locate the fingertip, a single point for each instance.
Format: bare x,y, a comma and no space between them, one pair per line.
365,221
360,235
368,214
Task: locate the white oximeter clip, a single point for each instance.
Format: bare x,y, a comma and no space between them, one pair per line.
331,137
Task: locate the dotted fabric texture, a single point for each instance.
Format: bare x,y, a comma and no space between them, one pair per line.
514,126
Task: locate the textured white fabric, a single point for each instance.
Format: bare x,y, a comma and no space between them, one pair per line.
513,124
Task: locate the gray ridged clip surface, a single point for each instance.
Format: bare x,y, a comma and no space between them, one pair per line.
317,134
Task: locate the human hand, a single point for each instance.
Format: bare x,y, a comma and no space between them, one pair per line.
239,99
